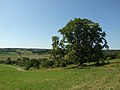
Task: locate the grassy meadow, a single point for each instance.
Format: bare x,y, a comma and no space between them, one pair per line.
5,56
89,78
27,54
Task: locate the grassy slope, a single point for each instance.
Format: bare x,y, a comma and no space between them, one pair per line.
99,78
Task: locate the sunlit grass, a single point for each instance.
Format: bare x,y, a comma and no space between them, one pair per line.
94,78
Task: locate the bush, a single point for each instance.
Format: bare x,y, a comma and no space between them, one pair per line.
118,55
32,63
63,64
24,61
8,61
18,62
108,62
97,64
56,63
2,61
102,63
110,56
47,63
27,66
36,64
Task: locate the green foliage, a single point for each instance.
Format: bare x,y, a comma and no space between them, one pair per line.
24,60
2,61
82,41
118,55
47,63
101,63
70,57
63,64
111,56
36,64
58,50
8,61
28,63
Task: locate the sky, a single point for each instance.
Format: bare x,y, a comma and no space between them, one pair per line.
32,23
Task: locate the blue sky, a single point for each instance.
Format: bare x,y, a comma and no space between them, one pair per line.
32,23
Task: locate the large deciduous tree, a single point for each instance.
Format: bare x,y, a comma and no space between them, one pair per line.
82,41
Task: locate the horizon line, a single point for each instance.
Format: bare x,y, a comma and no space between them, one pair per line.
28,47
46,48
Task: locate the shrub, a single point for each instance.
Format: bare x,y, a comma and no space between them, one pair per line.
24,61
2,61
18,62
27,66
110,56
97,64
102,63
56,63
108,62
32,63
36,64
47,63
118,55
8,61
63,64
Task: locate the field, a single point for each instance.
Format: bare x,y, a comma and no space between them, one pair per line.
15,55
90,78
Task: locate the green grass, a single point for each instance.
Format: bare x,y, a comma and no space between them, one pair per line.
93,78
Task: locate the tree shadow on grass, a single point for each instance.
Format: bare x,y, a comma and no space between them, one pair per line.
88,66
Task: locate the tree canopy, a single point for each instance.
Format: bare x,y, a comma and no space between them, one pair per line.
82,41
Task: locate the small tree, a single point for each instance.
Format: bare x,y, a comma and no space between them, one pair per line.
8,61
58,50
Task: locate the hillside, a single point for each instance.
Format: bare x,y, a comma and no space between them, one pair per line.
90,78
